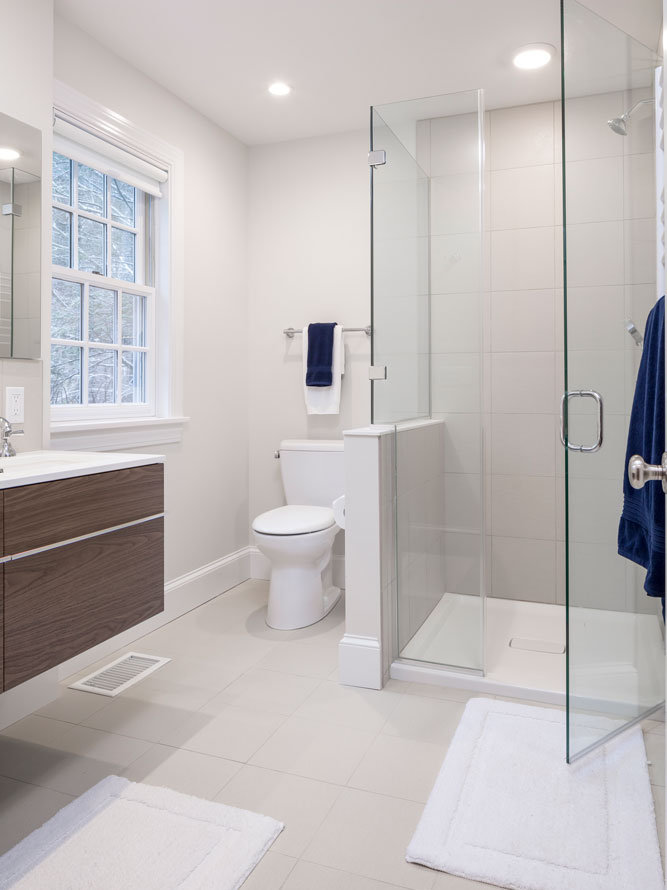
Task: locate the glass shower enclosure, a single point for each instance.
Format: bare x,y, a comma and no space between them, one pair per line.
613,209
427,224
504,506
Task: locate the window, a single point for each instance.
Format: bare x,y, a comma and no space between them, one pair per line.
102,298
117,281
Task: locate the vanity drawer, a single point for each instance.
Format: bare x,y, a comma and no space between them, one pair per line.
49,512
62,601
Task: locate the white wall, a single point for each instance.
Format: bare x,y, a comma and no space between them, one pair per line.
308,261
207,474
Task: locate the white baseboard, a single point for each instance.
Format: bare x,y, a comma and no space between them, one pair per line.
181,595
260,568
360,661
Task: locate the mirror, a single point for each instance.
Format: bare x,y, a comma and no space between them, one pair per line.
20,239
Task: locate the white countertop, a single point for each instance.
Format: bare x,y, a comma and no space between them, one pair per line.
30,467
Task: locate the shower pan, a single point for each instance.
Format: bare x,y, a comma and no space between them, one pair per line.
510,247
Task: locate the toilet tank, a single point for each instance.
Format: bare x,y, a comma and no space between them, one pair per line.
313,471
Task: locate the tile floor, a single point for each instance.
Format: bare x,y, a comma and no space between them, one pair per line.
255,718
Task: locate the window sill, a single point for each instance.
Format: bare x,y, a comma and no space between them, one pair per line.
116,435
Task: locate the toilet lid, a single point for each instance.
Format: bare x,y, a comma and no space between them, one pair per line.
294,519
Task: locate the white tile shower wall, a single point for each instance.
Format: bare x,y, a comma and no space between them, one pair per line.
421,519
611,276
309,261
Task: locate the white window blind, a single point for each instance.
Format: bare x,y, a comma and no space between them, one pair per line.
78,144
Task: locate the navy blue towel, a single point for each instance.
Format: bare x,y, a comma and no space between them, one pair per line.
641,533
320,354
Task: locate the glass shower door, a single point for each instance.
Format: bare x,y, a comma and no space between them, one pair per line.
427,356
615,652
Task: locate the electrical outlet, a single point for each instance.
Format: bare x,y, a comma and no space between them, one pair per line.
14,404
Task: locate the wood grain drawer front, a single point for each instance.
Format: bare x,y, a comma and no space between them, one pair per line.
2,633
61,602
49,512
2,520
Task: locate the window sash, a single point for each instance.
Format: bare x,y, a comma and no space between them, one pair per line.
112,410
142,269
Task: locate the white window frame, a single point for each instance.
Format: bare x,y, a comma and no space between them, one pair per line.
165,421
117,410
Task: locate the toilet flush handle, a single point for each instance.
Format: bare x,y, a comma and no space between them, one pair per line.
276,455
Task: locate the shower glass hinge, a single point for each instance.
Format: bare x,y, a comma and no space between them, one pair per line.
377,372
12,210
377,158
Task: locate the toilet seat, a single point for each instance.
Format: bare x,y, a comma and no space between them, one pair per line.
294,519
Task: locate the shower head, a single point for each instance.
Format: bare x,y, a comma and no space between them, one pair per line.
620,124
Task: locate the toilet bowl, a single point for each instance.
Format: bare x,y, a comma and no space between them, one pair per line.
301,590
297,539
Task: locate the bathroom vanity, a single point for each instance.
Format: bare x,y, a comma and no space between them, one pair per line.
81,554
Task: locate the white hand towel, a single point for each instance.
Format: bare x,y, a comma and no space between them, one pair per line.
325,399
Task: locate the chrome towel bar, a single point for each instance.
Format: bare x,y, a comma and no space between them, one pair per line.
290,332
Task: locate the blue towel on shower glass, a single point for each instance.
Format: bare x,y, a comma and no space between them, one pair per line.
320,354
641,533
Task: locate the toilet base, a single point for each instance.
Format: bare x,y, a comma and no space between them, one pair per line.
299,598
301,591
331,600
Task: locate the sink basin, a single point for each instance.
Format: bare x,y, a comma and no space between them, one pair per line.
37,460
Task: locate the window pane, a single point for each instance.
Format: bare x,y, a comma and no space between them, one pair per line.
92,246
91,190
65,310
62,179
122,254
61,238
101,376
134,320
134,377
66,375
102,315
122,202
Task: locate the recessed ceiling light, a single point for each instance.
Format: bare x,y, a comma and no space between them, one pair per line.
280,89
535,55
9,154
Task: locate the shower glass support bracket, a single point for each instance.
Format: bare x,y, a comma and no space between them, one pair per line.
377,158
377,372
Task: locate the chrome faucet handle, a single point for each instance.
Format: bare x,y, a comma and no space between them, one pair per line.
6,447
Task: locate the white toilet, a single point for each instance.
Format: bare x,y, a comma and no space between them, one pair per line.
297,539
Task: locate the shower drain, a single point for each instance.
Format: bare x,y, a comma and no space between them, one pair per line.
537,645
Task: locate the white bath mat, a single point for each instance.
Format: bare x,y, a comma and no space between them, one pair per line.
506,808
121,835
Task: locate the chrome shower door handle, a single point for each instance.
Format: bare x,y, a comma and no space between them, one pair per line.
583,394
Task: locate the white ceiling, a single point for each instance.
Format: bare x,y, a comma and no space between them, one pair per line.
340,56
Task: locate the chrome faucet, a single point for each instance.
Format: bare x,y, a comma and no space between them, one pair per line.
6,431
